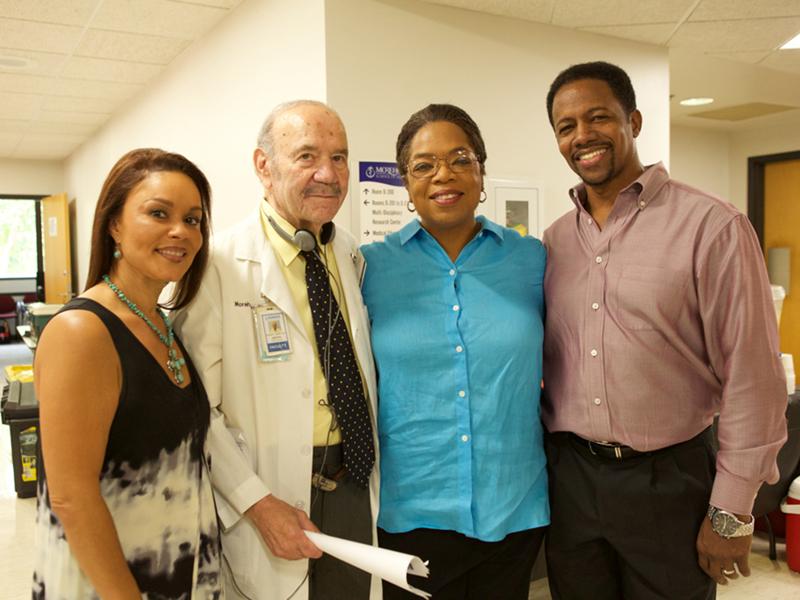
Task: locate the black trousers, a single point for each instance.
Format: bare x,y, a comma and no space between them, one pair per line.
344,512
463,568
626,529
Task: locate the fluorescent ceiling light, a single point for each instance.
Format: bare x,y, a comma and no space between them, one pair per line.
792,44
696,101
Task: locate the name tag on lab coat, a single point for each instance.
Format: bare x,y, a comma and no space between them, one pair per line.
272,334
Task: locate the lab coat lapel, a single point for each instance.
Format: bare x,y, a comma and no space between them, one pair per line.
352,292
256,250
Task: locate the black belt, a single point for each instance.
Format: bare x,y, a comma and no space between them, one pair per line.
617,451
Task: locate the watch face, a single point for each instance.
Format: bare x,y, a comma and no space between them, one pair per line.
723,524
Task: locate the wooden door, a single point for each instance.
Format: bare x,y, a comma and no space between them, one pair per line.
56,247
782,229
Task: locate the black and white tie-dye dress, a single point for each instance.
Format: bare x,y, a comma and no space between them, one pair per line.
155,481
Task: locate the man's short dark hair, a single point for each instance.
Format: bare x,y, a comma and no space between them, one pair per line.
614,76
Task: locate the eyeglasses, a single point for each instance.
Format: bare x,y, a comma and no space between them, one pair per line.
426,166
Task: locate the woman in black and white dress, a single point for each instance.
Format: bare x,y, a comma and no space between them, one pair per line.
125,507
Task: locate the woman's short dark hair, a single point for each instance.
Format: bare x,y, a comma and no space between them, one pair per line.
129,171
616,78
438,112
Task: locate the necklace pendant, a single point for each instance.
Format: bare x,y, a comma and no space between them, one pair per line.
174,365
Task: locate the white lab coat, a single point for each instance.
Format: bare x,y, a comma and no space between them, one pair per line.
261,434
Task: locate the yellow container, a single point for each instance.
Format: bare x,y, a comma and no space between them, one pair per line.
21,373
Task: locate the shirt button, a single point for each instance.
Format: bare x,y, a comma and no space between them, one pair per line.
593,352
597,401
300,504
464,438
641,203
595,306
452,272
305,450
455,307
459,349
598,259
462,393
306,393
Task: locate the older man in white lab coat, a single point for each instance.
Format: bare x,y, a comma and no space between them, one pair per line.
279,335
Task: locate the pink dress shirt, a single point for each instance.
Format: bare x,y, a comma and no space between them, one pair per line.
659,321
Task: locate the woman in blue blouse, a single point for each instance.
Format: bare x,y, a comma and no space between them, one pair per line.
456,307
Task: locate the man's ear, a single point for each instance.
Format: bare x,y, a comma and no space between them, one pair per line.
636,122
262,166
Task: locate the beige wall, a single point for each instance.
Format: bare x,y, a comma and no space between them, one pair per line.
209,105
389,58
376,61
31,177
717,161
700,157
758,142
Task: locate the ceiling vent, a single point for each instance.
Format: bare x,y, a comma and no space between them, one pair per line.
742,112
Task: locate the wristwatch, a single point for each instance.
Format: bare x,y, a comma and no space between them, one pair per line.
728,525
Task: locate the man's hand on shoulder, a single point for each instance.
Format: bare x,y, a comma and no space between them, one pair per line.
719,557
281,526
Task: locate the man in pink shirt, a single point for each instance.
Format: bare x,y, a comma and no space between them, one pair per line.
659,316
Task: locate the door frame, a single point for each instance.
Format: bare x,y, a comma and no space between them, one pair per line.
755,187
39,241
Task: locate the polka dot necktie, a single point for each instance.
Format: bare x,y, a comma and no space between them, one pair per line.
345,390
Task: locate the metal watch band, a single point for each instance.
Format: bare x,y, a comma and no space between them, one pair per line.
728,525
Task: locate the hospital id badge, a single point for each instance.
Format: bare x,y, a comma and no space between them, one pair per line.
271,333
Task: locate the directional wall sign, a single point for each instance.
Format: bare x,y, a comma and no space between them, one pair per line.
383,199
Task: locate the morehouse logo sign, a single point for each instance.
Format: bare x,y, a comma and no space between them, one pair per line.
380,172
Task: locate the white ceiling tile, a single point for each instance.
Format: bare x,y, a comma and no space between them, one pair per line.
66,12
784,60
99,69
43,37
540,11
756,34
80,88
69,104
40,146
651,34
42,63
61,128
8,142
135,47
13,126
25,84
728,10
92,119
156,17
218,3
590,13
751,58
19,106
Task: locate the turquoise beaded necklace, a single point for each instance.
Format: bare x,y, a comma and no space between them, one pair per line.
174,364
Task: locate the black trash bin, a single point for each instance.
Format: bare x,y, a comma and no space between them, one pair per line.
20,412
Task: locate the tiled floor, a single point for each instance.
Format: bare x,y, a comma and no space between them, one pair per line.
769,581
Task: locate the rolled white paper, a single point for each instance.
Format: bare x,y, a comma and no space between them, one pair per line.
389,565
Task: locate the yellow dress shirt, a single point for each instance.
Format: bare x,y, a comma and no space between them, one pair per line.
293,267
